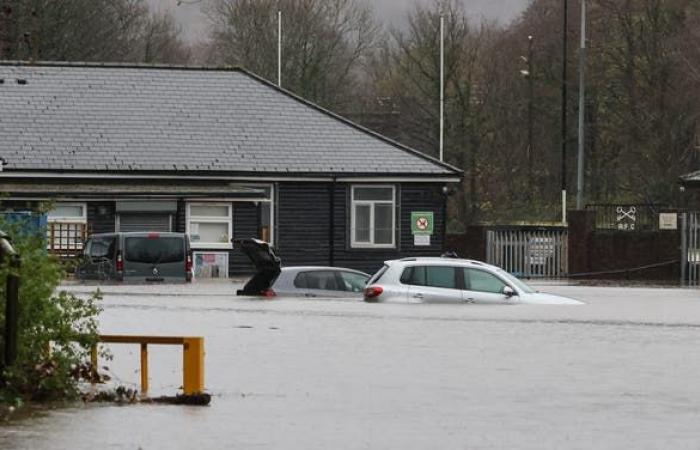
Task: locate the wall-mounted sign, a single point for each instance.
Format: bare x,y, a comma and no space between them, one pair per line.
668,221
210,264
421,240
626,217
422,222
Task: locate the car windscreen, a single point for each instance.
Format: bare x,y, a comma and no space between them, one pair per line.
517,282
101,247
156,250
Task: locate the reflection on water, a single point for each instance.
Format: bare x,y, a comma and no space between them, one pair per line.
305,374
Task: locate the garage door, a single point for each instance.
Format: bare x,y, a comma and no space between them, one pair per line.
144,222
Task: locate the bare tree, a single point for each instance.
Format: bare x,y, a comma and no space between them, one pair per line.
87,30
324,42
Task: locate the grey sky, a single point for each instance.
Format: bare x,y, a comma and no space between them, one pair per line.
194,24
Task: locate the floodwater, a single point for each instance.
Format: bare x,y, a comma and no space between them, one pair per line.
620,372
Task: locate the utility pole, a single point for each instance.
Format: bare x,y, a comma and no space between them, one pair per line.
563,109
442,87
581,110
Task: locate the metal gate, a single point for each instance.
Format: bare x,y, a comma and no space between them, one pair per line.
530,252
690,249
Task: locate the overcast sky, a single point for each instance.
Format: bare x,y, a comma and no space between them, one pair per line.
194,24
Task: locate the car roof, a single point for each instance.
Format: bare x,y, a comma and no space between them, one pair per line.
439,260
319,268
140,233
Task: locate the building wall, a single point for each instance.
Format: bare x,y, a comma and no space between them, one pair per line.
101,217
304,221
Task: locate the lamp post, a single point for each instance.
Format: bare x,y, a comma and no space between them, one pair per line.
528,73
563,109
581,109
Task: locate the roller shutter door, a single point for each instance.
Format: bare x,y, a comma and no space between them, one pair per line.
144,222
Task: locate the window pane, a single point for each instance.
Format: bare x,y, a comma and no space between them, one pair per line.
383,221
362,223
209,210
265,228
72,211
483,281
370,193
441,277
203,232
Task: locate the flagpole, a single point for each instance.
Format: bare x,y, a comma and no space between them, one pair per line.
442,87
279,48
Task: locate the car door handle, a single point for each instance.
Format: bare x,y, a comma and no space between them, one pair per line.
309,295
469,300
417,295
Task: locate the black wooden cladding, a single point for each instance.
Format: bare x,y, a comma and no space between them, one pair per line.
303,222
101,217
303,225
246,224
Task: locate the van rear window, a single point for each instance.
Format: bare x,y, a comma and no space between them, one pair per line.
154,251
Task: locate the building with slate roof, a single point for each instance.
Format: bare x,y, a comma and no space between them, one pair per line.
217,153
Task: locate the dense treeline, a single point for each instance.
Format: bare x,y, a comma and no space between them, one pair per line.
88,30
503,91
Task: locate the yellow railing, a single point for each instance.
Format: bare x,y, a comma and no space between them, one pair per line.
192,358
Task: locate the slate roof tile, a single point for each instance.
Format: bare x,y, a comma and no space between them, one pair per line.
112,118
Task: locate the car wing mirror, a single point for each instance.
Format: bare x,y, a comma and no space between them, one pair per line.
508,291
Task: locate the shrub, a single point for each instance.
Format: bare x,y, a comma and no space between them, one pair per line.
47,318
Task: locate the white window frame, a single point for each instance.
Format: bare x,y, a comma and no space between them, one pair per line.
71,229
210,219
65,219
371,204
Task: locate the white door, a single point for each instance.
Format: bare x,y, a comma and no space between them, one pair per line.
483,287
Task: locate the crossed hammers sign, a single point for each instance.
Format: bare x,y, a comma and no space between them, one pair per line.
629,214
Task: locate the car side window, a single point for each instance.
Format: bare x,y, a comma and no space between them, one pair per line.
300,280
414,275
433,276
317,280
353,282
441,276
482,281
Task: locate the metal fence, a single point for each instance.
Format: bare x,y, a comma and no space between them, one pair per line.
690,245
627,217
529,252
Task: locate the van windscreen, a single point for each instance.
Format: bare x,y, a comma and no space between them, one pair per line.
154,251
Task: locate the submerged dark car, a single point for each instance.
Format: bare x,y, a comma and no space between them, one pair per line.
136,257
271,279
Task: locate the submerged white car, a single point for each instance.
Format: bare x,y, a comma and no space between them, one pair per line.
418,280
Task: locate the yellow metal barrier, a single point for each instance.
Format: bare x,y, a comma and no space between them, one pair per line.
192,358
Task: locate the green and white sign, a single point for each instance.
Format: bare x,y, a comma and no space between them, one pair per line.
422,222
